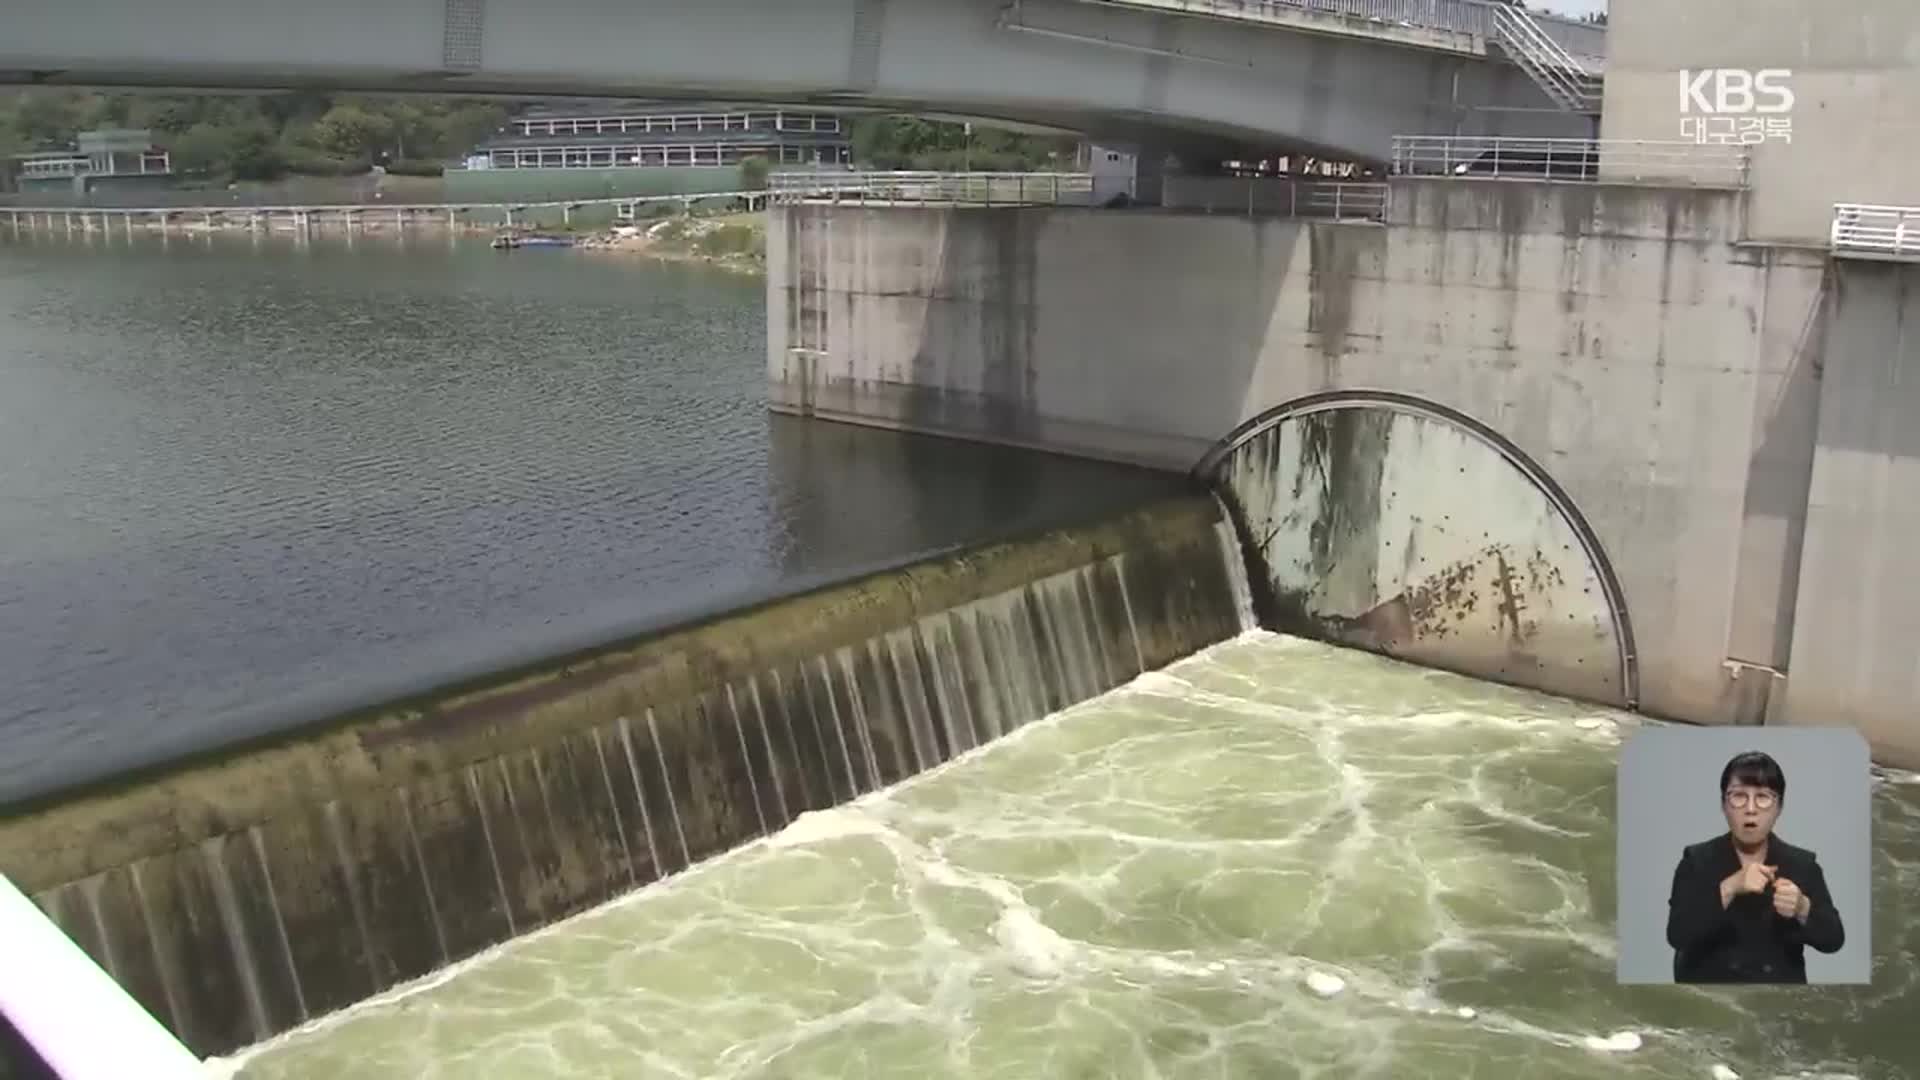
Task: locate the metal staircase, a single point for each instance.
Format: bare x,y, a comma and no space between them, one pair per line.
1566,78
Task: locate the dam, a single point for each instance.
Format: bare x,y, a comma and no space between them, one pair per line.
1004,807
564,717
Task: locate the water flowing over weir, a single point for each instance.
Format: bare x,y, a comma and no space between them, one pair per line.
250,892
1274,860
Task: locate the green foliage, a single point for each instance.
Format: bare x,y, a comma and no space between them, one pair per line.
304,162
412,167
753,173
350,131
901,142
253,153
731,239
201,148
260,136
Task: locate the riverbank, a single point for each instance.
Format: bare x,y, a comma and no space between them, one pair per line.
733,241
730,238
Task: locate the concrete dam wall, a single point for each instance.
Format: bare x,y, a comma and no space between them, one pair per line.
1633,447
243,894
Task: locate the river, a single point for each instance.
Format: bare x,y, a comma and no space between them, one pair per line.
1157,884
245,484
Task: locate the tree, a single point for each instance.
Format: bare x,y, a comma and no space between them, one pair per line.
468,124
253,153
46,121
201,148
898,142
753,172
351,131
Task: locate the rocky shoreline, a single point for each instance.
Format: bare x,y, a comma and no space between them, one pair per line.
732,241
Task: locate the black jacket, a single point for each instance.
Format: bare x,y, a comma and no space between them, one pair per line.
1746,942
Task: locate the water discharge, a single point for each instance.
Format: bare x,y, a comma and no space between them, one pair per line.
1273,859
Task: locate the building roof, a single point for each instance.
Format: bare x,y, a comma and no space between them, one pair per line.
664,138
592,108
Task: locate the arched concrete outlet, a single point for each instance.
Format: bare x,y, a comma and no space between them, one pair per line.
1390,523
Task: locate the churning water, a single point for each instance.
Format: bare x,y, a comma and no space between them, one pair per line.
1273,859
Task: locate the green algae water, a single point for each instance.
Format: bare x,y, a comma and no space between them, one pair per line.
1274,859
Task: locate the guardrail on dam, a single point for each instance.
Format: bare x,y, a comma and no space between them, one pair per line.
250,891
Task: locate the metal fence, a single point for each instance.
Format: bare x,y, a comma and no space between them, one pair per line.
1257,196
1589,160
934,188
1473,17
1885,232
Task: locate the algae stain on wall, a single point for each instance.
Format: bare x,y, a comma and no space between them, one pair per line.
1403,533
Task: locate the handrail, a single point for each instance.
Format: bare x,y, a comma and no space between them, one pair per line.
1558,72
74,1015
951,189
1887,232
1601,160
355,208
1469,17
1279,196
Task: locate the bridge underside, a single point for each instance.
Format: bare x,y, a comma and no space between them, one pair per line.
1188,84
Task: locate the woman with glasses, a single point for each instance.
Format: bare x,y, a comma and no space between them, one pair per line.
1746,903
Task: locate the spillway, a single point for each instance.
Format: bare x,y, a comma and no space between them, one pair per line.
1275,858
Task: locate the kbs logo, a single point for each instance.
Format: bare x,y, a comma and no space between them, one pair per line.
1734,106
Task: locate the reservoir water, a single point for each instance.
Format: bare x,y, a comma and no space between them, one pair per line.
1274,859
245,484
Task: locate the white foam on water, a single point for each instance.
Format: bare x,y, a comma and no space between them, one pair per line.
1305,832
1723,1072
1035,949
1619,1042
1324,984
821,826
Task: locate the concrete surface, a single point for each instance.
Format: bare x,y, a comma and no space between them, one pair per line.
1665,375
1857,631
1385,524
1856,81
248,892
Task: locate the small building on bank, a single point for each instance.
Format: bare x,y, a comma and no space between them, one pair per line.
619,149
107,158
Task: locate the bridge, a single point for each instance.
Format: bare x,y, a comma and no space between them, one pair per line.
1336,78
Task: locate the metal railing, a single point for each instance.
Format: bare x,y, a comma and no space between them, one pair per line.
75,1018
1590,160
1264,196
1470,17
1558,73
935,188
1884,232
150,206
